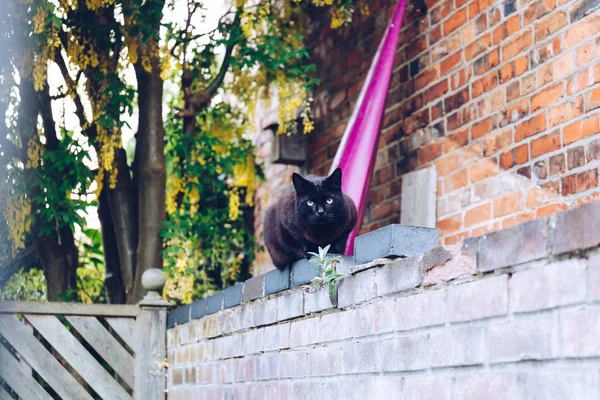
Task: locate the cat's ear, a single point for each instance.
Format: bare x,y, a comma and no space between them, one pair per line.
300,184
334,181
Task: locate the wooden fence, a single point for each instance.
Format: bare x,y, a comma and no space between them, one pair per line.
78,351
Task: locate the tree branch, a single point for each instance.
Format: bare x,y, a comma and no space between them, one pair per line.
72,86
200,98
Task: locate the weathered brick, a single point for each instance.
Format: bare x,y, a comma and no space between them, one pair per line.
548,286
326,360
290,305
558,383
497,385
232,296
377,318
545,144
530,127
478,214
253,341
304,332
362,357
580,329
265,312
357,288
277,337
525,338
479,299
579,182
277,280
407,353
458,346
513,246
399,276
254,288
576,229
317,299
421,310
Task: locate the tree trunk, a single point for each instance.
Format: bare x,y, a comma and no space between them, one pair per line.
113,283
58,253
121,204
151,175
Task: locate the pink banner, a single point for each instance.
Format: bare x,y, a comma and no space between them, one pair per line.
358,148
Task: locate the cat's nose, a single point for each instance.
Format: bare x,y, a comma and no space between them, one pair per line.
320,210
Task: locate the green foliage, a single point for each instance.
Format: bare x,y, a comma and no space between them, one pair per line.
328,268
90,275
202,239
25,286
61,174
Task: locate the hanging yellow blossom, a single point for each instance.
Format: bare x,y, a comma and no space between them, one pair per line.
16,211
234,204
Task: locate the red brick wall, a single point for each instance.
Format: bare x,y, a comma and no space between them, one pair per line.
501,97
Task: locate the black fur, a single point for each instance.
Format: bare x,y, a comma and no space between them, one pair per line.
301,221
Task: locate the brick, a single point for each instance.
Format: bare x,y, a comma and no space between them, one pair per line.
254,288
361,357
394,241
558,383
580,129
530,127
483,169
563,66
303,271
580,329
481,128
198,308
450,224
516,156
430,152
549,25
548,286
521,339
576,157
576,183
447,164
585,28
548,96
594,276
265,312
357,288
318,299
497,385
458,346
516,45
479,299
304,332
576,229
484,85
253,341
479,214
508,28
450,62
408,353
214,303
457,19
513,91
517,245
277,280
496,142
290,305
376,318
478,47
277,337
421,310
232,296
545,144
171,319
400,276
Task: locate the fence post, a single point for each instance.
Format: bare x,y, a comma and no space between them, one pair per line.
151,339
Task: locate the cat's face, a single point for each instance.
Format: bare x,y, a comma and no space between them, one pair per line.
320,201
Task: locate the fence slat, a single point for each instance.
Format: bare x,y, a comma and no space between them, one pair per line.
75,354
26,307
4,394
23,384
19,337
106,345
124,328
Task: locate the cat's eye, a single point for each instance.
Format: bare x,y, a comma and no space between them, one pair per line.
329,201
310,203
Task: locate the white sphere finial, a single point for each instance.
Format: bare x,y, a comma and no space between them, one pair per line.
153,280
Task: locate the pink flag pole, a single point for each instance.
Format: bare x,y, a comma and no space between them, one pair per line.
358,147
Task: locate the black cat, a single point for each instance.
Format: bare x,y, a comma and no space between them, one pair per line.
313,215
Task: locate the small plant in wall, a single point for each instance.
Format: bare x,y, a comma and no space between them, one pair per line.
328,268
